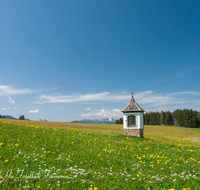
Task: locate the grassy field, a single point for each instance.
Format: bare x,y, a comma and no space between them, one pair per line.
54,155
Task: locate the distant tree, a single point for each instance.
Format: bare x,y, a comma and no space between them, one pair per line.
146,118
0,116
3,117
162,117
152,119
186,118
198,118
121,120
198,115
21,117
168,118
157,122
182,118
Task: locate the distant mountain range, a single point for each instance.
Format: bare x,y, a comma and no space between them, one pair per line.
105,121
11,117
8,117
43,120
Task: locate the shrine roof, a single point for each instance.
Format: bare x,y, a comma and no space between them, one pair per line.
132,107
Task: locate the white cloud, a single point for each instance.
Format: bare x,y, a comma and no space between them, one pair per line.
188,92
116,110
5,108
87,114
151,101
15,108
104,96
8,90
103,113
145,97
33,111
148,100
11,100
149,97
89,109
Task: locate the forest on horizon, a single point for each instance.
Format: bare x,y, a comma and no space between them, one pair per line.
182,118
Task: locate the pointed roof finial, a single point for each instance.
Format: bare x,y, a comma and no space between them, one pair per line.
133,106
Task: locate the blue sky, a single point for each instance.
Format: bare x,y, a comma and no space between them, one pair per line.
71,60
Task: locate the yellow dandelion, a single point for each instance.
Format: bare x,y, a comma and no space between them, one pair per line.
6,160
95,188
174,180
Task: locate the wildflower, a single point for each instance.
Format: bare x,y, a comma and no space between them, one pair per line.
99,155
174,180
95,188
6,160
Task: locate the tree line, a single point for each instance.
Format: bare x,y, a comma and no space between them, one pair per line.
21,117
119,121
182,118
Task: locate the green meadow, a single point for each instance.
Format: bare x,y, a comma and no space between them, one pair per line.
53,155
